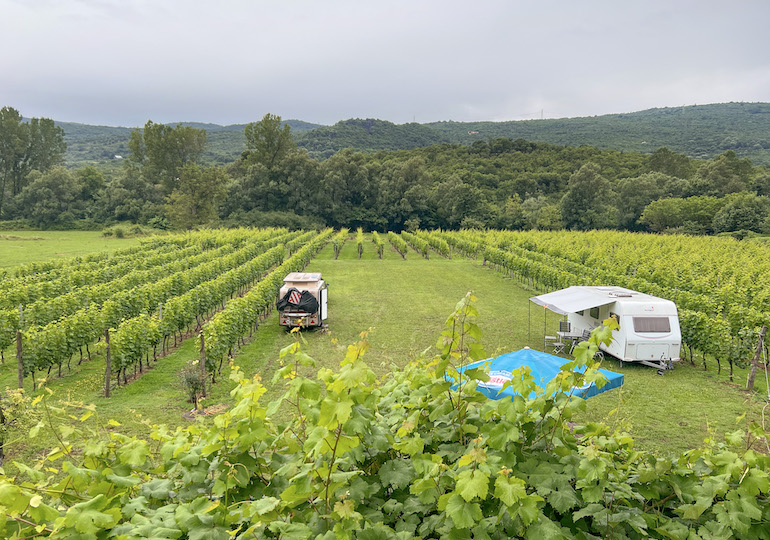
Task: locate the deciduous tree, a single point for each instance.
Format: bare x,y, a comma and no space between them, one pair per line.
724,174
51,198
160,151
587,203
670,163
743,211
695,214
129,196
26,146
267,142
454,201
634,194
194,201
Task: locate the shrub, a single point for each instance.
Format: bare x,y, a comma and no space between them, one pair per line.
158,222
193,382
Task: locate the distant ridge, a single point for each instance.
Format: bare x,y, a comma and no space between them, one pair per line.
699,131
96,144
295,125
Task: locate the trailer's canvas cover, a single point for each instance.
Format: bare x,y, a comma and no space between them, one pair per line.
543,367
574,299
299,300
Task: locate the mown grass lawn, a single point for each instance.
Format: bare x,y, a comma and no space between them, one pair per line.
21,247
405,303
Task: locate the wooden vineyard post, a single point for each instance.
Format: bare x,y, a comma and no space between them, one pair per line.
755,362
203,366
19,359
108,369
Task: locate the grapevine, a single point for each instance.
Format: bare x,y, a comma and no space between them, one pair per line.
379,245
419,244
398,244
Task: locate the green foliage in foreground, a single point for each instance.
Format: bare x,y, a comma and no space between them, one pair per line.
412,457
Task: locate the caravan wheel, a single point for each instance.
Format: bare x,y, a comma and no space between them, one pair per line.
599,356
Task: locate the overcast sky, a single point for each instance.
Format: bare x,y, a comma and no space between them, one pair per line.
123,62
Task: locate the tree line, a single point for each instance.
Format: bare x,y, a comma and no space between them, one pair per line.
500,183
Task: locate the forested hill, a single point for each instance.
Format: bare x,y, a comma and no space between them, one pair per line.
698,131
368,135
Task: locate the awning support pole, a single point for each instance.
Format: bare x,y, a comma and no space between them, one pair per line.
529,323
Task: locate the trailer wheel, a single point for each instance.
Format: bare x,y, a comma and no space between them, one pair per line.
599,356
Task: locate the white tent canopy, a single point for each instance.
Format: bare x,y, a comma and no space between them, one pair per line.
577,298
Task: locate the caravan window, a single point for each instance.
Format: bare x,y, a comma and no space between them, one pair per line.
652,324
594,313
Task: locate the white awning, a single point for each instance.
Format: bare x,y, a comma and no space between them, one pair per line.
571,300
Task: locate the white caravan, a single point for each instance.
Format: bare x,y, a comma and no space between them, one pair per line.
649,326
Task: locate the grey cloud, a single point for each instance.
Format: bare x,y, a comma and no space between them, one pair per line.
121,63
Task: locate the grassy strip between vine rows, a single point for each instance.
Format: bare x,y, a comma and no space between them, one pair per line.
239,318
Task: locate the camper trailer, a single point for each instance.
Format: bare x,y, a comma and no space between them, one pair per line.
649,331
302,300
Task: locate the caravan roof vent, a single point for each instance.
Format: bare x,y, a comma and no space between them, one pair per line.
623,294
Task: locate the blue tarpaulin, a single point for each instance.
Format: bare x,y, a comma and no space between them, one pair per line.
543,367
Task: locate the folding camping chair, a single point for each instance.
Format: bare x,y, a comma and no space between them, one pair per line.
586,335
554,341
